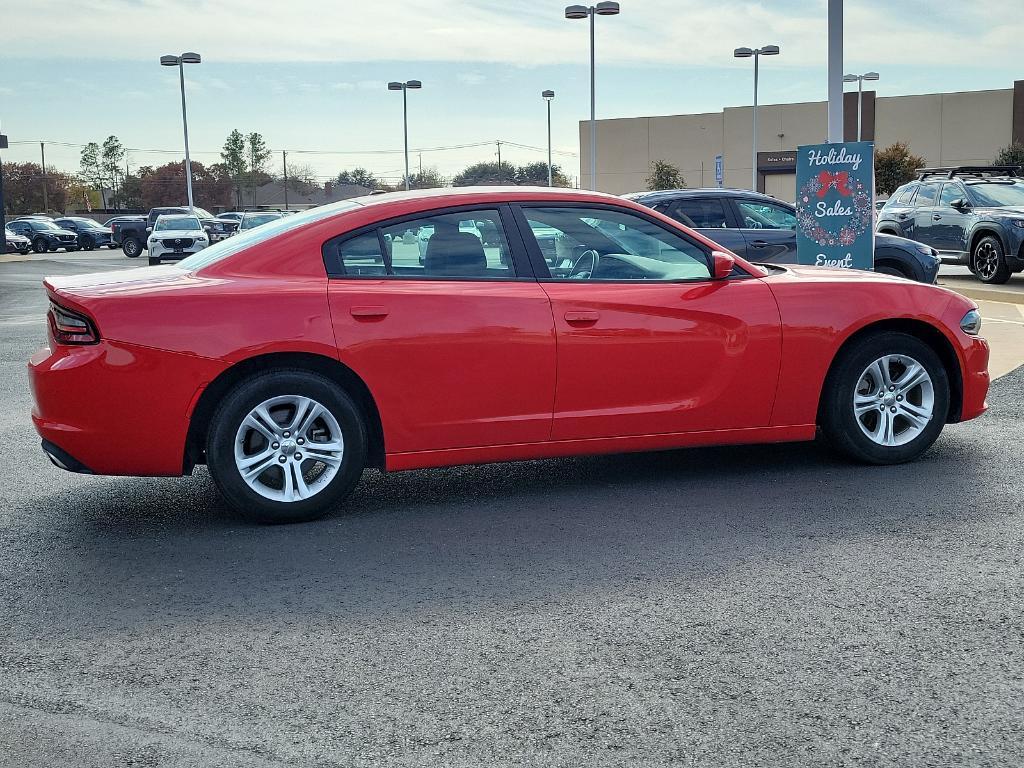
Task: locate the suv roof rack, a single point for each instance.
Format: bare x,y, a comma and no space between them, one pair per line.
969,170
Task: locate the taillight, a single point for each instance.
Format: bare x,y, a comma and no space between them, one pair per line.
71,327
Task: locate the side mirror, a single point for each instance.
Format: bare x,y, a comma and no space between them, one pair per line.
723,264
960,204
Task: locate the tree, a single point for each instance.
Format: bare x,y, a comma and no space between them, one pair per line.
894,167
23,188
234,156
664,175
360,177
112,161
211,187
486,173
428,178
257,155
1011,155
537,174
91,171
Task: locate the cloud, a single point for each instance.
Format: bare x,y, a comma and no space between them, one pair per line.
471,78
662,32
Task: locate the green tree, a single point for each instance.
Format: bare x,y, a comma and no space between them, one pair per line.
112,161
664,175
23,188
360,177
1011,155
894,167
91,171
234,156
537,174
486,173
258,157
428,178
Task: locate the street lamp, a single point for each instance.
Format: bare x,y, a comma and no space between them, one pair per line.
180,62
582,12
859,79
404,87
746,53
548,96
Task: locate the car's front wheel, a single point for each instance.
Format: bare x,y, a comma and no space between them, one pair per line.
286,446
988,262
39,245
886,399
88,243
131,247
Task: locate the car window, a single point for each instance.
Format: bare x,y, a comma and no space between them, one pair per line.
926,194
463,245
600,244
998,193
950,192
756,214
906,195
702,213
165,223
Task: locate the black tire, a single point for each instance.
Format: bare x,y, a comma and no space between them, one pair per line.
988,261
838,423
220,445
71,248
88,243
39,245
889,269
131,247
154,261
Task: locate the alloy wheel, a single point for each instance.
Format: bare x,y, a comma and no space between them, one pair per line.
986,260
289,448
894,400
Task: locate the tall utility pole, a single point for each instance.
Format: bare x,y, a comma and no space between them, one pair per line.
284,165
499,162
548,96
3,214
404,87
835,71
42,156
180,62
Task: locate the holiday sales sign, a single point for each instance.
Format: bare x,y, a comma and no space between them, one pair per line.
834,205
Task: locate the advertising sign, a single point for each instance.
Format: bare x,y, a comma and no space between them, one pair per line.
834,205
718,170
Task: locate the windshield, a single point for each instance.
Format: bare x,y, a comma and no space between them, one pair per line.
87,223
997,194
8,233
37,225
176,222
259,218
251,237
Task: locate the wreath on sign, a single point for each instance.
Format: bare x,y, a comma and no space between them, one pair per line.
819,186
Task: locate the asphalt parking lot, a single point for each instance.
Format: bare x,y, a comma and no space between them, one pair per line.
742,606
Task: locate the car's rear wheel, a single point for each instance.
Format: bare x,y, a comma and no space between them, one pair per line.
131,247
39,245
886,399
988,262
286,446
88,243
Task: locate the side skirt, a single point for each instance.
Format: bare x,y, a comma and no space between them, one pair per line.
635,443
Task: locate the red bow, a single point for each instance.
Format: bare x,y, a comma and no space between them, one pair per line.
840,181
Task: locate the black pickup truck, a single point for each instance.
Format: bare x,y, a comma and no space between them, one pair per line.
132,232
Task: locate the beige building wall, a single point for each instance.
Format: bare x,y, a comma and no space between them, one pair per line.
944,128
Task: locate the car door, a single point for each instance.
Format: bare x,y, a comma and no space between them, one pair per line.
709,216
924,209
647,342
949,226
769,229
459,350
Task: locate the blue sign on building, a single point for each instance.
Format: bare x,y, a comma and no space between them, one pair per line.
835,205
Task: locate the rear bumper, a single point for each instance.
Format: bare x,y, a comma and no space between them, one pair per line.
96,411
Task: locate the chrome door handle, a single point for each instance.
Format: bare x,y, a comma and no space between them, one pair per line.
369,313
581,317
758,244
935,217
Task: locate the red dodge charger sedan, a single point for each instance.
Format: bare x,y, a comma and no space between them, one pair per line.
476,325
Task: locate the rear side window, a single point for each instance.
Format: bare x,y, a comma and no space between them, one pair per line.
702,213
905,196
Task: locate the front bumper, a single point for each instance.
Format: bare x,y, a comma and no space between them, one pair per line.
158,250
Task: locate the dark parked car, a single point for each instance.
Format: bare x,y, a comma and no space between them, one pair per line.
16,242
761,228
132,234
91,234
45,235
972,215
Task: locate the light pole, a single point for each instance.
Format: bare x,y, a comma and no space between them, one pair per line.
404,87
180,61
746,53
548,96
859,79
582,12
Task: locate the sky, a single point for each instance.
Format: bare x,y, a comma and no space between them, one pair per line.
311,75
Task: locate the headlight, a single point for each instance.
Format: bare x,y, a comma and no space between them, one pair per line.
971,324
1018,223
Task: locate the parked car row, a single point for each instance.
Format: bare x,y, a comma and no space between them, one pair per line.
972,215
42,233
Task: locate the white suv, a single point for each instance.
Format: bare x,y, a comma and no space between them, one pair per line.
175,236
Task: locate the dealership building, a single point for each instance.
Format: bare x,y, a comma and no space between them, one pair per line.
962,128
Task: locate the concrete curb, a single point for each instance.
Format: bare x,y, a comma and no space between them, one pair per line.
986,294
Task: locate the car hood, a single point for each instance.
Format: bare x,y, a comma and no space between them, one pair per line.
14,237
57,232
1008,211
830,274
172,233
